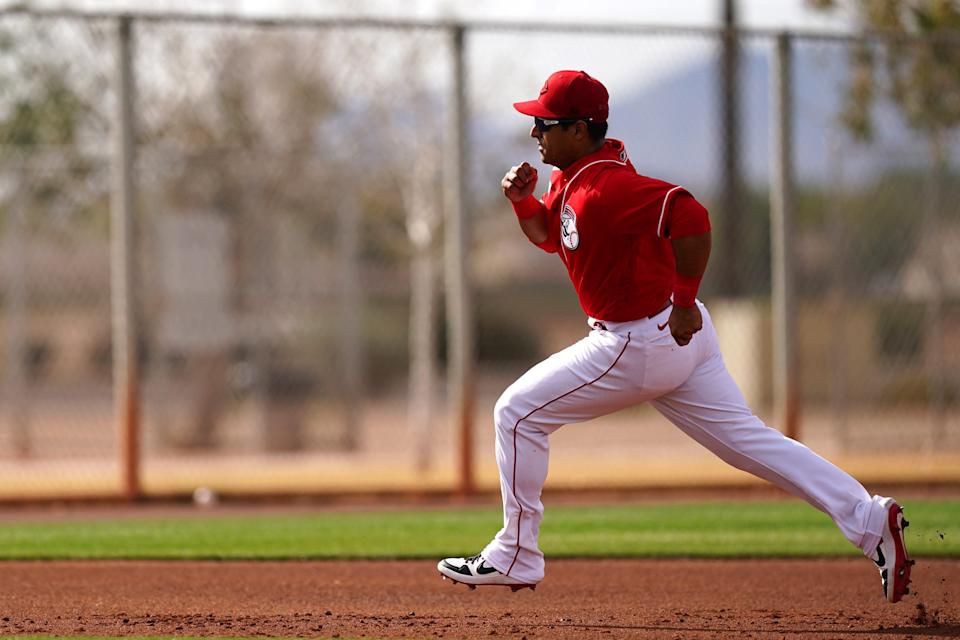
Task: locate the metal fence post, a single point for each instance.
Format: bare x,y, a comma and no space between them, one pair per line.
731,195
16,381
459,320
785,370
838,292
350,344
123,269
931,243
422,222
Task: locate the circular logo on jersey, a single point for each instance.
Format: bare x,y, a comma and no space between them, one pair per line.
568,228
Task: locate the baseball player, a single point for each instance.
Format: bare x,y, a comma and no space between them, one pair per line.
636,249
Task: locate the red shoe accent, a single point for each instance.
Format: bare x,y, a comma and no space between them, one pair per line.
900,578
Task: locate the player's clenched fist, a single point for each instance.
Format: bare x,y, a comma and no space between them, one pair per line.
519,182
684,322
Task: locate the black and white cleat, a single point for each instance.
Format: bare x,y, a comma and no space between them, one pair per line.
475,572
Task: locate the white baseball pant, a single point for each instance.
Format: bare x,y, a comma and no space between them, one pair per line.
633,362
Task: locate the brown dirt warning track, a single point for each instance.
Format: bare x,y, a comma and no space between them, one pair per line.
835,598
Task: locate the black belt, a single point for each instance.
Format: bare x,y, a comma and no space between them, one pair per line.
662,309
597,324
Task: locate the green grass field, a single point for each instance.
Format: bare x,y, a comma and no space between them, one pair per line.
708,529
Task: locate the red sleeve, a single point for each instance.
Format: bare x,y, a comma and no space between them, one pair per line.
681,215
552,243
529,207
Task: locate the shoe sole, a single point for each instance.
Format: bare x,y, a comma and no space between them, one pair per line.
513,587
898,582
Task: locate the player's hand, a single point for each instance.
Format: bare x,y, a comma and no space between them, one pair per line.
684,322
519,182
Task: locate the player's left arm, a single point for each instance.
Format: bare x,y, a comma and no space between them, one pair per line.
688,227
691,254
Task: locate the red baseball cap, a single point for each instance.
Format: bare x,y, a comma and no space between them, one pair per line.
568,94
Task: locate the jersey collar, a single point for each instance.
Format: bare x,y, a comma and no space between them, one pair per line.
610,150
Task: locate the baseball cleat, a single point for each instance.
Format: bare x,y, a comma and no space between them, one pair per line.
475,571
891,555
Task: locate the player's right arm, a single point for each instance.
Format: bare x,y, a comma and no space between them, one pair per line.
518,186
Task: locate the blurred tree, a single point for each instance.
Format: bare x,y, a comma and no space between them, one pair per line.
46,186
917,50
417,151
48,116
246,135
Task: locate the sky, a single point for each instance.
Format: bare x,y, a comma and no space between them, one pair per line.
520,52
505,66
764,14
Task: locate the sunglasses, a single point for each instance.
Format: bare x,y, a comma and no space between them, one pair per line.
543,125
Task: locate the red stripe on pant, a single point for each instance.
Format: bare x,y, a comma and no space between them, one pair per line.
513,485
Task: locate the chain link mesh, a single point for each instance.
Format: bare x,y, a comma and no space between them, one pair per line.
290,249
55,100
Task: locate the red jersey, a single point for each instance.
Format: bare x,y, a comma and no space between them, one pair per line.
612,229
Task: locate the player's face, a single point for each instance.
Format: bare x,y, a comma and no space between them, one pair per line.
556,143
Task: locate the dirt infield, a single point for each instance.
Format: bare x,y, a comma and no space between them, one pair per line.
579,599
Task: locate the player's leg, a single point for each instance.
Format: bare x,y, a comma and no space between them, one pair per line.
600,374
710,408
571,386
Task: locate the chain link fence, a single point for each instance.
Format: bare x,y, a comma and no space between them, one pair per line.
290,212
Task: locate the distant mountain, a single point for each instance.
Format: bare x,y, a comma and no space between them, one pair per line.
671,126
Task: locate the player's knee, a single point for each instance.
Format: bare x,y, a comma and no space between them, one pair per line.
504,411
500,411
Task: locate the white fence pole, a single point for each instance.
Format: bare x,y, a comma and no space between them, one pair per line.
459,316
16,381
350,344
786,383
123,269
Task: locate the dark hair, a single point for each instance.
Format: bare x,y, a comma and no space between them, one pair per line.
596,130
